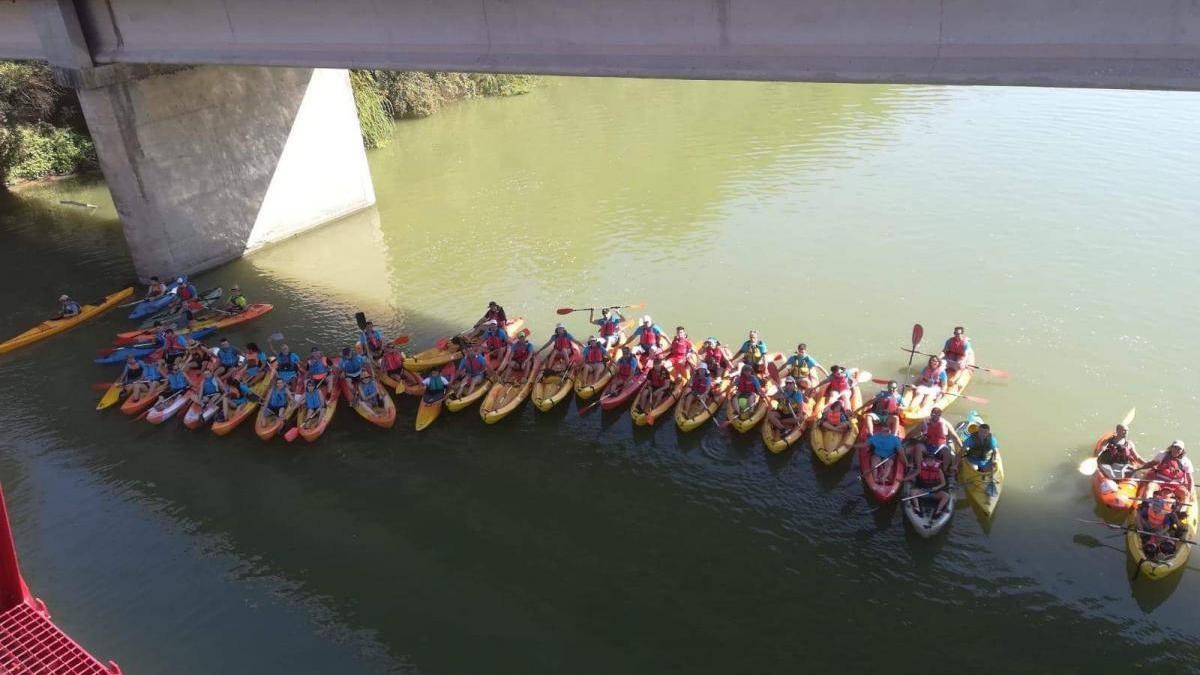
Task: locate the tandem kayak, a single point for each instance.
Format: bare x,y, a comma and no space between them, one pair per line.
250,313
440,356
954,389
585,390
1159,566
1118,494
54,326
145,308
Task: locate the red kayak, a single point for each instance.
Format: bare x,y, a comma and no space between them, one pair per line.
146,335
615,397
883,492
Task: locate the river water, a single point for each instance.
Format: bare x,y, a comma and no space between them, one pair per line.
1060,227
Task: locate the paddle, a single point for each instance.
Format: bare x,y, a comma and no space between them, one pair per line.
141,300
1127,528
1088,466
568,310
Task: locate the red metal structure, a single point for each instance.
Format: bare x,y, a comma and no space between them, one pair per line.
30,643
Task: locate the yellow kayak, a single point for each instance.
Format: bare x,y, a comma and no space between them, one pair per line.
550,388
1160,567
983,488
830,446
54,326
643,418
686,420
954,389
436,357
777,442
505,397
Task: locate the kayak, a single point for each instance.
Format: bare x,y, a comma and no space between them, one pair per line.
954,389
506,397
590,389
776,442
167,405
886,491
1160,566
430,407
1120,494
982,488
135,406
172,315
642,418
550,388
112,395
119,354
54,326
197,415
312,430
615,397
222,427
251,312
924,523
456,403
831,446
384,417
440,356
266,424
688,422
145,308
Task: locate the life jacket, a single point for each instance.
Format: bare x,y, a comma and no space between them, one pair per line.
494,340
374,340
839,382
701,383
278,398
625,366
790,403
1171,468
521,351
932,378
680,348
473,365
659,377
178,381
153,374
1156,521
562,341
393,361
353,365
228,356
369,390
495,314
254,359
316,367
1118,451
935,434
288,363
834,416
648,337
135,372
800,366
885,404
593,354
238,301
754,352
186,292
210,386
956,348
930,472
746,384
610,326
313,399
175,346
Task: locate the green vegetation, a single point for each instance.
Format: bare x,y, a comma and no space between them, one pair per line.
383,95
42,132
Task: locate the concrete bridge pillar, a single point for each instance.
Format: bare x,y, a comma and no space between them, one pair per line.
208,163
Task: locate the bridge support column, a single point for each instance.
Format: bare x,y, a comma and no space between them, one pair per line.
208,163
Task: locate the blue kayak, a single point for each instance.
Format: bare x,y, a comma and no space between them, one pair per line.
139,350
148,307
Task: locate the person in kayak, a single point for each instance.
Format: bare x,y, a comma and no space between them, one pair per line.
352,365
713,354
928,479
278,399
371,341
747,390
469,373
884,447
67,307
316,368
753,352
680,349
186,295
804,368
237,301
595,360
173,346
495,313
177,382
254,365
956,353
980,448
562,346
839,386
210,389
835,417
236,395
629,366
647,338
287,362
520,360
494,340
658,386
133,372
882,411
939,439
228,357
152,375
314,403
1118,458
929,385
1161,523
155,289
435,386
699,393
1170,470
369,391
788,412
609,325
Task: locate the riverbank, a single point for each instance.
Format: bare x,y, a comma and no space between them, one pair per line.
43,133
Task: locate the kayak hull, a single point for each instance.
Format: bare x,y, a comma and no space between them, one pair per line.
311,431
550,389
924,524
136,406
436,357
887,490
954,389
686,421
55,326
1162,568
266,425
504,398
983,488
777,442
1119,495
643,418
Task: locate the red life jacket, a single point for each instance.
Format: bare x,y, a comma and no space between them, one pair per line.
393,361
648,338
935,434
659,377
625,367
889,405
956,348
1171,469
839,382
520,352
610,327
930,472
496,315
745,384
562,341
593,354
493,342
701,383
680,348
184,292
475,365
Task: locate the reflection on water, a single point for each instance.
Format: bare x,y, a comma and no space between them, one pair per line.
1058,226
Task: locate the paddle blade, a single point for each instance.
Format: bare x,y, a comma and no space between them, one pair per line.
442,343
640,305
1088,466
998,373
401,340
773,371
275,337
864,376
918,332
1129,417
291,434
975,399
563,310
361,320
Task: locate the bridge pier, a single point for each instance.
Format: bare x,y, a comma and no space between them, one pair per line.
208,163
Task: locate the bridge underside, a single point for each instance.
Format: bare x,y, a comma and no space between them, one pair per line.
1099,43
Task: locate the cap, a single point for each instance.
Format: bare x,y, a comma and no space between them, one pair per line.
558,325
1178,443
789,378
646,319
492,322
710,340
702,366
64,298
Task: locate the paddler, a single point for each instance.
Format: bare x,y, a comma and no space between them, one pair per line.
186,294
174,346
352,364
520,360
680,349
371,340
228,357
255,363
1170,470
788,412
609,325
67,307
471,370
1160,517
700,391
658,385
435,386
928,479
628,367
287,362
930,384
210,388
1119,456
595,360
279,397
495,313
835,417
177,381
494,340
839,386
562,346
979,448
747,389
195,355
155,289
713,353
956,353
646,337
152,375
237,301
316,368
940,440
804,367
314,403
133,372
882,411
753,352
237,394
369,391
884,448
392,363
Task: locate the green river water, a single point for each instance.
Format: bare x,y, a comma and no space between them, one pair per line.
1061,227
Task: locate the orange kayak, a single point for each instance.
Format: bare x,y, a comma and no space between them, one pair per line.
54,326
147,334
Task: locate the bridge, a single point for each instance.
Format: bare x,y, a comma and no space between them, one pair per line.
224,126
